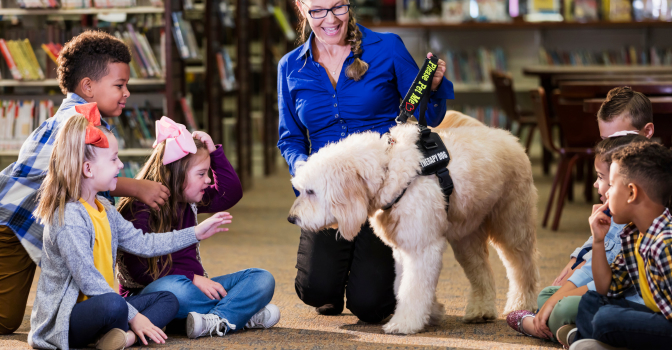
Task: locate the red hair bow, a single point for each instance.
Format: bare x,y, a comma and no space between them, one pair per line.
94,136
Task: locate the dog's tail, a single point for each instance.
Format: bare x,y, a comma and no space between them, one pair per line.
455,119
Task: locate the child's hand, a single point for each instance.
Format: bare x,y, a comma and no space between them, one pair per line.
564,272
142,326
599,222
540,321
206,139
209,227
153,194
210,288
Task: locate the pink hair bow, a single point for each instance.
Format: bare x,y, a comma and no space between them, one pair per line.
179,141
623,133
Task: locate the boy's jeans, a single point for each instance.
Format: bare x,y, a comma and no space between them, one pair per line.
622,323
248,291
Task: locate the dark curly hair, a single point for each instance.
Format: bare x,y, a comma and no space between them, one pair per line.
649,165
606,148
87,55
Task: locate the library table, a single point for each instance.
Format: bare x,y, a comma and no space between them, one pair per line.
662,115
590,89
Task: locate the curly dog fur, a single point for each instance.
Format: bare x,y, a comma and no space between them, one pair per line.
494,201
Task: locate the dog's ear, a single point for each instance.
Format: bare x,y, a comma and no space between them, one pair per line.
350,207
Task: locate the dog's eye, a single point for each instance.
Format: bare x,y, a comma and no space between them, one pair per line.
310,192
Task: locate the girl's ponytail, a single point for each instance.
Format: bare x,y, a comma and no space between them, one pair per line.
63,182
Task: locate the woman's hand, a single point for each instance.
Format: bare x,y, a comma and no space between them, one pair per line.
206,139
142,326
210,226
438,75
210,288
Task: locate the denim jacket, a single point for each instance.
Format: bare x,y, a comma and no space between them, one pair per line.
612,246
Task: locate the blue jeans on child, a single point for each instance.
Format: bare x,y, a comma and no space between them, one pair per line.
247,292
97,315
622,323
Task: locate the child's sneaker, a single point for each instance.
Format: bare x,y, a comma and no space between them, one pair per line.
565,335
592,344
115,339
267,317
199,325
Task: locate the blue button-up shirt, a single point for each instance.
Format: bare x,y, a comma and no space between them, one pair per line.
313,113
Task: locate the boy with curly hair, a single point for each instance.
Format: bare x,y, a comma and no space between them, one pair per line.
640,192
93,68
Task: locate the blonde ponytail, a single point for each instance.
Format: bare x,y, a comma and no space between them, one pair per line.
63,182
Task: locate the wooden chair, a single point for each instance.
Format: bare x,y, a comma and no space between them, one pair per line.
577,145
506,97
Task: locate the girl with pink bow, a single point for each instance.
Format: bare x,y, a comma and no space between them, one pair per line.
181,161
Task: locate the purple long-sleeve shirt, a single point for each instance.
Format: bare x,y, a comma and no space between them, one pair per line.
222,195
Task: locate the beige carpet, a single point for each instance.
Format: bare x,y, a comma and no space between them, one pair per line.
261,237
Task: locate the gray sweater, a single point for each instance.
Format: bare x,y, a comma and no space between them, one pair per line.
67,267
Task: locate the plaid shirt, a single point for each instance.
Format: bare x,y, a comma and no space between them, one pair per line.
20,181
656,251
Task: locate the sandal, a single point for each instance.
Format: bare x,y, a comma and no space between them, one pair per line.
515,320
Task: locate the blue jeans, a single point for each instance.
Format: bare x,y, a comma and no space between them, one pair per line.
247,292
97,315
622,323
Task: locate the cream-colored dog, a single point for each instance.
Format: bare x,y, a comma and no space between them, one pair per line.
494,201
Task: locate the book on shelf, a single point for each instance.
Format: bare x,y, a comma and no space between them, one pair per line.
188,114
281,18
9,60
184,37
18,118
21,60
37,3
225,67
474,66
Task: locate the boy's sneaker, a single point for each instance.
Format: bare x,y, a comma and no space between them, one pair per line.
565,335
199,325
592,344
267,317
115,339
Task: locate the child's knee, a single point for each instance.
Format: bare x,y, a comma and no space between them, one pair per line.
169,303
565,310
265,282
113,305
545,294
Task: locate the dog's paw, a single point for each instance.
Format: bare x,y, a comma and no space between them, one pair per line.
476,315
397,327
437,315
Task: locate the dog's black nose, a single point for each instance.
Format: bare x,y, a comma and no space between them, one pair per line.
291,219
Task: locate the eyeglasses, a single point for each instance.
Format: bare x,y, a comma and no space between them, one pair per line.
336,10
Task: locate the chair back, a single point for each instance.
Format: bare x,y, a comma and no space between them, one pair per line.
579,129
506,97
544,122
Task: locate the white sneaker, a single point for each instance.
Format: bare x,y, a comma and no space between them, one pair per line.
267,317
592,344
199,325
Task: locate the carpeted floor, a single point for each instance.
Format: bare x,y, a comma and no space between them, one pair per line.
261,237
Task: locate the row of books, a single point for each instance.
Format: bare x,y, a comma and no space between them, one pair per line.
458,11
79,4
143,60
625,56
21,60
184,37
474,66
491,116
18,118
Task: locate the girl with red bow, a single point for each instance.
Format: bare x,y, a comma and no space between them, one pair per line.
75,303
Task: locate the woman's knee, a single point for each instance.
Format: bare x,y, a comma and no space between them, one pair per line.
10,323
370,309
318,293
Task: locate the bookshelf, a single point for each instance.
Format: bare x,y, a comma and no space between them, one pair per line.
156,96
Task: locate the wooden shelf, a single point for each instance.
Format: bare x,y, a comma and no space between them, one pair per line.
131,152
54,82
518,25
82,11
618,70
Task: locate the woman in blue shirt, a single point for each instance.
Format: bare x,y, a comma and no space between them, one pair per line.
345,79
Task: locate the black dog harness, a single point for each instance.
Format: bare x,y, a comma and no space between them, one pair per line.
435,157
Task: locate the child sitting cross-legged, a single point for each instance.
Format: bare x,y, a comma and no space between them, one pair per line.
641,189
227,303
558,305
75,303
